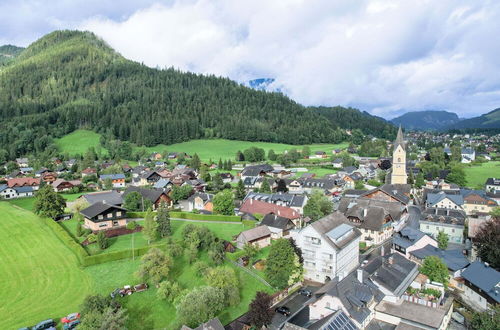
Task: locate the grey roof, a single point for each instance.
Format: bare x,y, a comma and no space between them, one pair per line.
468,151
399,139
291,200
255,170
111,197
117,176
454,259
397,191
204,197
485,278
420,314
339,231
433,199
3,187
256,233
213,324
151,194
97,208
355,296
394,272
448,216
24,189
162,183
493,182
275,221
349,169
407,237
331,221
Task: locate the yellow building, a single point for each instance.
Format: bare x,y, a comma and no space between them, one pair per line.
398,175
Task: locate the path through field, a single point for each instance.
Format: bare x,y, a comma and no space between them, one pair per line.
39,276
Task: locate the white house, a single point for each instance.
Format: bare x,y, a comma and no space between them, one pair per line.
330,247
468,155
482,286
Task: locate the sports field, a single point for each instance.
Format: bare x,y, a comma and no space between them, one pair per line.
39,278
478,174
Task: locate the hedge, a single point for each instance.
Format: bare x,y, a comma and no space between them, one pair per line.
192,216
118,255
235,255
67,240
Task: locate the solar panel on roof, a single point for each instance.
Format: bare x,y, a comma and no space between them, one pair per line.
341,322
339,231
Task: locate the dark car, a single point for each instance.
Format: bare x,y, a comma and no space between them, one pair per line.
305,292
283,310
45,325
71,325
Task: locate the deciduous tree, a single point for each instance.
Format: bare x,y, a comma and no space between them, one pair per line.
48,203
260,313
442,240
203,303
155,266
149,230
224,202
163,220
435,269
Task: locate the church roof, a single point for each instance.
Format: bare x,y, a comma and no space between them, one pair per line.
399,139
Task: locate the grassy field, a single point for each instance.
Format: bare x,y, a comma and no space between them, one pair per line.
39,275
27,203
226,149
477,175
78,142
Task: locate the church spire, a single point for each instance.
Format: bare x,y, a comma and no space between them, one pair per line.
399,139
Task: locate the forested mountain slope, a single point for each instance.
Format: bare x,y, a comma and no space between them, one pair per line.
489,120
8,53
426,120
71,79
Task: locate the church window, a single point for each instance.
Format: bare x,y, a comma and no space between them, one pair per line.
399,160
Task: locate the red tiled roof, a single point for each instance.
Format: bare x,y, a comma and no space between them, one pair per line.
89,170
21,182
254,206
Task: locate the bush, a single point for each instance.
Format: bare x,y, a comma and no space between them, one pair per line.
79,229
92,238
200,267
131,225
102,240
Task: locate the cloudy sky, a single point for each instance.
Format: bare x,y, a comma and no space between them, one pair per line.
386,57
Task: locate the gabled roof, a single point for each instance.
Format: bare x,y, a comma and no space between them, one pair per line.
162,183
454,259
204,197
111,197
275,221
118,176
396,191
493,182
255,233
434,198
23,182
151,194
326,224
98,208
407,237
255,206
485,278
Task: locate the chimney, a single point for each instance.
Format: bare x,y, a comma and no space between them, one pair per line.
382,250
251,201
360,276
365,212
104,201
390,260
279,213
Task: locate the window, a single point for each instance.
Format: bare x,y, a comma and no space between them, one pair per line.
104,224
118,213
109,215
115,223
100,217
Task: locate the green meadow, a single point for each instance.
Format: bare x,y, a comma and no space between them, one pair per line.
478,174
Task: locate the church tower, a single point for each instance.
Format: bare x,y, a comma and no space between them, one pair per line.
398,175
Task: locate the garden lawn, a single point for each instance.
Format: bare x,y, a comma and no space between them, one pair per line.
477,174
78,142
39,278
26,203
148,312
319,171
226,149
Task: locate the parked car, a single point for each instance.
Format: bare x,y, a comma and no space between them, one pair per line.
70,318
305,292
114,293
46,324
283,310
71,325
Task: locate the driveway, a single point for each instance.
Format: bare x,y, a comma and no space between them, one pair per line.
294,302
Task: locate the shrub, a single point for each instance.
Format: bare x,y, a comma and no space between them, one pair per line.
79,229
131,225
102,240
92,238
200,268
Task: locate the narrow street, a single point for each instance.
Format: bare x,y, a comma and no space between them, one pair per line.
294,302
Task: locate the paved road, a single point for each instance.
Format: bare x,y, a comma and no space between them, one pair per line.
294,302
415,213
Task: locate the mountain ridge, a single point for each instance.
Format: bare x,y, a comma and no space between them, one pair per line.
426,120
71,79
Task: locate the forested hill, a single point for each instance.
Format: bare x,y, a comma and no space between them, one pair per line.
490,120
71,79
8,53
426,120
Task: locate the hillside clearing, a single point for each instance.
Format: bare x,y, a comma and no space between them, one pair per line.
78,142
477,174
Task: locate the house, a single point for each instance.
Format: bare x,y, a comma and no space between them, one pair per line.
259,207
163,184
63,185
227,177
200,201
26,170
492,185
177,155
353,296
410,239
149,178
330,247
449,221
375,219
390,193
319,155
453,259
444,200
296,202
24,182
41,172
102,216
155,156
279,226
213,324
109,197
468,155
89,171
197,184
49,177
155,196
7,192
22,162
482,286
337,163
118,180
259,236
477,201
256,171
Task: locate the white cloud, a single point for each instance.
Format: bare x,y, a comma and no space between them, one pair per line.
384,56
